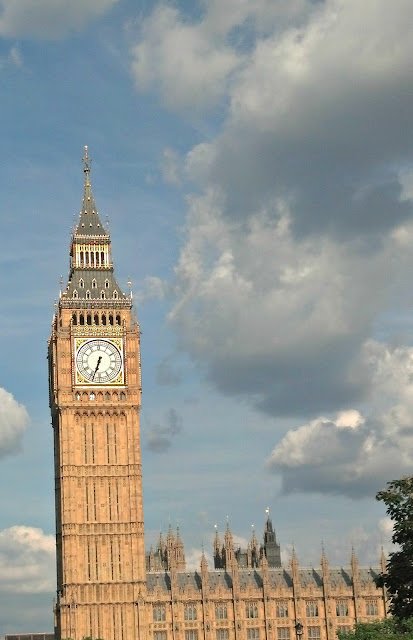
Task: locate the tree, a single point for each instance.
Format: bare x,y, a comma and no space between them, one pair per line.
390,629
398,580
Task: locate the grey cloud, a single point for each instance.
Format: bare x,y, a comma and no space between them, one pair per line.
159,437
319,117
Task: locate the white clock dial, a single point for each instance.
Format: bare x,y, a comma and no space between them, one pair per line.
99,361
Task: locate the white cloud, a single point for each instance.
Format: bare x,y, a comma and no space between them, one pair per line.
171,167
13,422
46,19
189,64
27,560
193,559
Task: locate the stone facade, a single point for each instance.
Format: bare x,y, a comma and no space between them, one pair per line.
107,587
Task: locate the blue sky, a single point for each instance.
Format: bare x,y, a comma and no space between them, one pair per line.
254,159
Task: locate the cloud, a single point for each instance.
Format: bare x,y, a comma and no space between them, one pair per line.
45,20
159,437
187,63
13,422
153,288
27,560
352,454
278,320
171,167
192,63
303,218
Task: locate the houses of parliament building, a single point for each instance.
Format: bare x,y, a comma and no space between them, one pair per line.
108,586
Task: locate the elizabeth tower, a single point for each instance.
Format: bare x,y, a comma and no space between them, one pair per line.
95,396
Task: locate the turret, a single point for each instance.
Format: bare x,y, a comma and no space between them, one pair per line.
271,548
179,552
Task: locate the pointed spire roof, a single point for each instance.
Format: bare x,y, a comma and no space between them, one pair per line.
204,563
89,223
383,561
324,559
91,275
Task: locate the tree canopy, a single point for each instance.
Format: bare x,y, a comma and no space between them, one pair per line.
390,629
398,579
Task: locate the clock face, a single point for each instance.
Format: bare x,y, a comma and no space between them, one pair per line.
98,361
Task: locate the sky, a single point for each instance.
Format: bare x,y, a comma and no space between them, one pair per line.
254,161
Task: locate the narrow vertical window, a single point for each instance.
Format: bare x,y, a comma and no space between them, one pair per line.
117,500
94,502
92,434
107,443
111,558
85,443
115,446
88,558
87,501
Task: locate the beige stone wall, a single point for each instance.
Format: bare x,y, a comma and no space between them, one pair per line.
99,509
267,616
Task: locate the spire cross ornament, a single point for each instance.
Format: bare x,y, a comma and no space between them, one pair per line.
86,160
86,166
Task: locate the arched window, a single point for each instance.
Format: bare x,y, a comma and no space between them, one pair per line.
102,295
92,258
97,258
94,284
102,258
96,319
82,258
122,396
104,319
81,283
107,396
82,319
111,319
74,319
75,294
118,319
87,258
89,319
106,284
88,295
115,295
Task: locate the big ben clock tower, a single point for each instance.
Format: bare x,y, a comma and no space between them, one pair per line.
95,395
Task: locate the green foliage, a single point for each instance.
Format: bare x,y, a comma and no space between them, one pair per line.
390,629
398,580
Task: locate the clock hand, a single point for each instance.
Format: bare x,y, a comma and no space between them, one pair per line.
97,367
